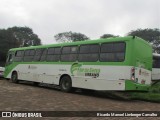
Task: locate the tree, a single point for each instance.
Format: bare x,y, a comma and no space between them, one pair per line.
70,37
108,35
6,42
16,37
24,36
150,35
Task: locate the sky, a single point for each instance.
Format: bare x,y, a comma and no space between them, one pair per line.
90,17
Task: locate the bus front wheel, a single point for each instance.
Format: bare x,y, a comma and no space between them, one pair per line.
66,84
14,77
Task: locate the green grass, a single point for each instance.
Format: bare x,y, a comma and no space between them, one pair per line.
153,95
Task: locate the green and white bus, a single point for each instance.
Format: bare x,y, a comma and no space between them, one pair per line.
120,64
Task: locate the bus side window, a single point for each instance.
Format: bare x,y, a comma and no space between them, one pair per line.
112,52
156,62
53,54
38,54
89,53
43,56
69,53
18,56
29,55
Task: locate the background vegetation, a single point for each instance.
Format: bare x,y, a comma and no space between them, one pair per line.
153,95
16,37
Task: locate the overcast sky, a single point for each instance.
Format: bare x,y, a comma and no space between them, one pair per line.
90,17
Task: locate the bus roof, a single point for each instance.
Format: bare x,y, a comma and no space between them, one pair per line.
111,39
156,55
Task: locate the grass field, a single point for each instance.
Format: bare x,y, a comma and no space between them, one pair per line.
153,95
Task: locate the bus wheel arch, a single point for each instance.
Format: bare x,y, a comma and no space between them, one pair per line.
65,83
14,77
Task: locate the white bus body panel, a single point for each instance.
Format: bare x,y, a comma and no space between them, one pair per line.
109,77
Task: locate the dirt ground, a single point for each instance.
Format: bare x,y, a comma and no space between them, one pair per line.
26,97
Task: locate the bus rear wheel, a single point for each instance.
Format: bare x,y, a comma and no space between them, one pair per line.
14,77
66,84
36,83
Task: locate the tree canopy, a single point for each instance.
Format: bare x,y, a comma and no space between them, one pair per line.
70,37
16,37
24,36
108,35
150,35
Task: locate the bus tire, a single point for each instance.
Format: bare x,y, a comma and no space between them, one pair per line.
36,83
66,84
14,77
